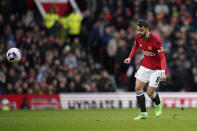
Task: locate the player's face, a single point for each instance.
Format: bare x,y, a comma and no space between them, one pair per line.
141,31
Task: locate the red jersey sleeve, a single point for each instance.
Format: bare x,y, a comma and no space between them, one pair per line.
134,49
163,61
162,57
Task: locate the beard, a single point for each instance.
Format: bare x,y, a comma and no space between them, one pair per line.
142,36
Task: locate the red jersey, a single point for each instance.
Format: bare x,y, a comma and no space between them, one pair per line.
153,52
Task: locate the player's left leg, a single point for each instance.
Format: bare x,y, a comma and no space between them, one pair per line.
151,91
155,98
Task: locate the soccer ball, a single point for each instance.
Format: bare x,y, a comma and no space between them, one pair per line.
14,55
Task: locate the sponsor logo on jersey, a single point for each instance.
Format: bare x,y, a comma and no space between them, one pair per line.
148,53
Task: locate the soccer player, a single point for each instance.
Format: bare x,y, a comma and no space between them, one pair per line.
152,68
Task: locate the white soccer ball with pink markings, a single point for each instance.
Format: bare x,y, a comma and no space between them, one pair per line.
14,55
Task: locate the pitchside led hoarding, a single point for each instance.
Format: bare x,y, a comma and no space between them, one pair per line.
95,100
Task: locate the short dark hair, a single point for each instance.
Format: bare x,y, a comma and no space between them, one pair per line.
142,23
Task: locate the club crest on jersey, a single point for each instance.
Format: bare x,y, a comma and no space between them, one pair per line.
149,47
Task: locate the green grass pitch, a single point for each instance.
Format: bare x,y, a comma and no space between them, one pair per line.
98,120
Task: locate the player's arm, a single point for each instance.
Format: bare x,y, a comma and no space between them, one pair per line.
132,53
163,63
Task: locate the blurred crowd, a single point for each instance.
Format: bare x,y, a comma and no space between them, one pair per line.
175,21
56,60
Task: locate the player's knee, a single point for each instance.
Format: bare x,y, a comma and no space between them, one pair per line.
139,85
138,88
150,93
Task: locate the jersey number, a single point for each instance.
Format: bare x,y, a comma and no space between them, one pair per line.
158,79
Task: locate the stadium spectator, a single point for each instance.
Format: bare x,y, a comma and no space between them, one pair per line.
25,105
52,57
51,18
74,24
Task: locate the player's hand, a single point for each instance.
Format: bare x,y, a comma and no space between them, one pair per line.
163,76
127,61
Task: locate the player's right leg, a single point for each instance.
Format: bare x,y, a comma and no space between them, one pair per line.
140,99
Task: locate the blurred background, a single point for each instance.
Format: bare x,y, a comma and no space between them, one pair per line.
73,46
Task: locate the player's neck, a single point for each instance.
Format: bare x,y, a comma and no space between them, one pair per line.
147,36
